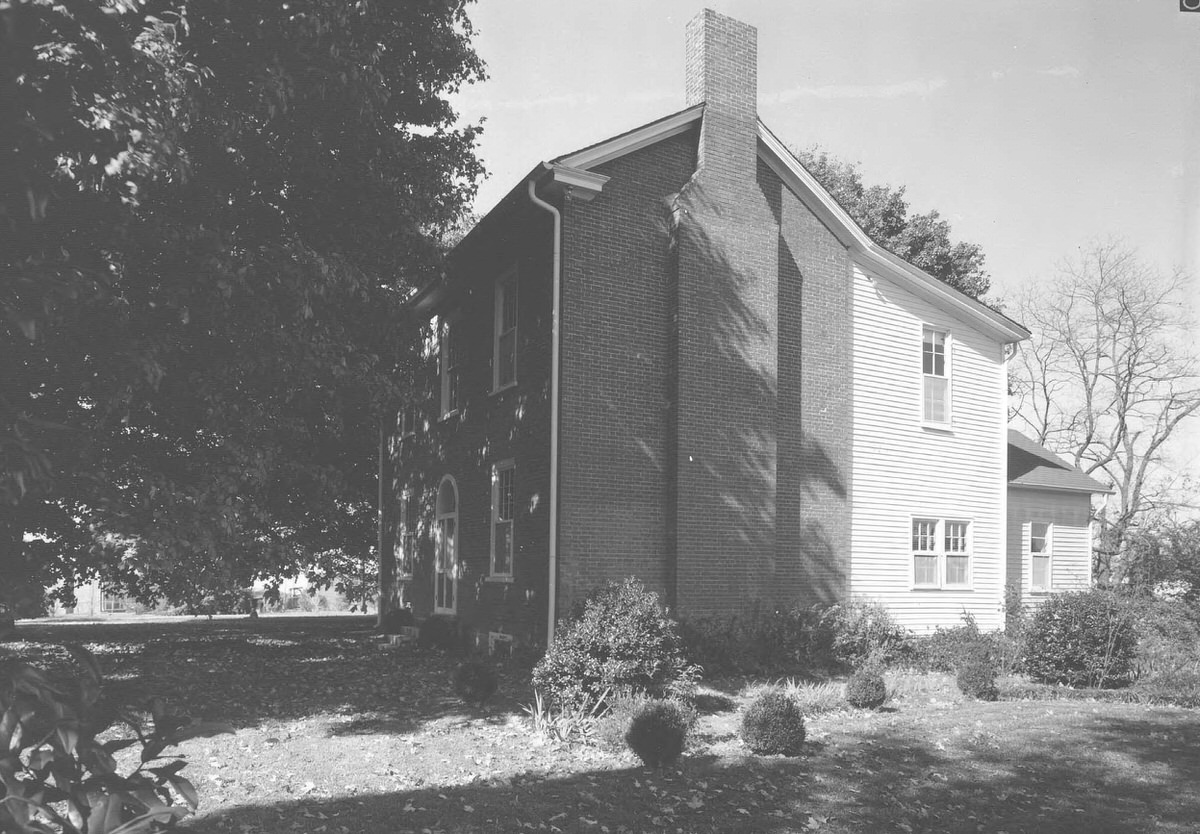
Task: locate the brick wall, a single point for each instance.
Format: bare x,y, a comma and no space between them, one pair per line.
512,424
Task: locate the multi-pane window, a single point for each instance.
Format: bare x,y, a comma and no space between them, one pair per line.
408,421
445,562
504,348
1040,550
111,603
406,538
941,553
936,373
502,519
450,369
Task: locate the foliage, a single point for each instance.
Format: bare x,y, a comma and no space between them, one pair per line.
773,725
619,638
883,213
814,698
57,776
866,688
759,642
1081,638
946,649
976,675
566,723
220,210
441,633
475,681
1168,639
1108,380
658,731
1162,558
858,631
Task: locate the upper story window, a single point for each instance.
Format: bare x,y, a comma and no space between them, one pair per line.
502,520
504,346
1041,549
941,553
450,365
935,367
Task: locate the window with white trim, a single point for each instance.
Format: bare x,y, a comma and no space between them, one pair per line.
405,546
408,421
1041,553
935,368
502,519
941,553
504,345
450,358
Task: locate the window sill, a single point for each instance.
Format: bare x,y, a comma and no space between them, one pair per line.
449,415
940,428
958,588
498,580
503,388
404,577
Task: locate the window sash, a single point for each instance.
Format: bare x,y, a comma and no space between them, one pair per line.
502,519
450,369
941,553
935,405
1040,554
504,350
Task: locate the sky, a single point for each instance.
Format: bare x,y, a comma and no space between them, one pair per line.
1033,126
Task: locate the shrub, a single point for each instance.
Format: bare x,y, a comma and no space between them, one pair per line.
1084,638
619,639
976,677
857,631
396,619
658,731
773,725
946,649
1168,639
815,698
441,634
760,642
49,754
866,688
474,682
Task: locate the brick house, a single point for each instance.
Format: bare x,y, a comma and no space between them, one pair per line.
673,355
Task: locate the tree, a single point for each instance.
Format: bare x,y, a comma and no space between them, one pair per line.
200,404
883,212
1108,378
1164,556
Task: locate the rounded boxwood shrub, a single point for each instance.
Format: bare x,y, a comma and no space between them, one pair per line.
658,731
1083,638
475,682
440,633
618,640
976,677
773,725
866,689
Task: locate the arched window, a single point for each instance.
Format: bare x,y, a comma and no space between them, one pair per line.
445,569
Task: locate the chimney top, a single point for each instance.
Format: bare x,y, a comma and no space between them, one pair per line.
722,62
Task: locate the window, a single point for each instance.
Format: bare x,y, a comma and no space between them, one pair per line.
408,421
1040,553
504,348
445,566
111,603
405,547
936,371
502,520
941,553
450,359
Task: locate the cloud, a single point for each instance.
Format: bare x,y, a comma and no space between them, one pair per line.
920,87
1065,71
998,74
527,104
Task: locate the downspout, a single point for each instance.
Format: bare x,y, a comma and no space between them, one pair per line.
554,360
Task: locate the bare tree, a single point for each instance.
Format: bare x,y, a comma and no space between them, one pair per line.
1109,376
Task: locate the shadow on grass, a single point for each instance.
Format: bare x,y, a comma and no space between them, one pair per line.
1107,774
271,669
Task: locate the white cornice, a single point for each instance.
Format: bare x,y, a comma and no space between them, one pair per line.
634,139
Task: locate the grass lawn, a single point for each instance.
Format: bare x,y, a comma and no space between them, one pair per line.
335,735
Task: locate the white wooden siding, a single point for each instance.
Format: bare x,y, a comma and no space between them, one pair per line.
903,470
1068,513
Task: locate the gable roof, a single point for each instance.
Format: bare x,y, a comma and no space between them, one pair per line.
1032,465
823,204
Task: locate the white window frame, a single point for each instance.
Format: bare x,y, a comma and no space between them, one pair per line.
450,351
1048,549
498,469
408,421
946,377
446,556
405,546
506,288
941,553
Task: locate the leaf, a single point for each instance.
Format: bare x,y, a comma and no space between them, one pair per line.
187,790
105,816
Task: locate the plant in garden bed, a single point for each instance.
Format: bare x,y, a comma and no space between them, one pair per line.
620,638
976,676
1085,638
658,731
773,725
866,688
56,776
564,723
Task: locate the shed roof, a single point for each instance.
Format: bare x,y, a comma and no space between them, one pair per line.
1032,465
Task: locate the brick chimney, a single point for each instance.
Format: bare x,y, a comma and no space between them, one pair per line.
722,73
